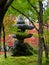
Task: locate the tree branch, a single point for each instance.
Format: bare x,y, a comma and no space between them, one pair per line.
25,16
33,6
8,3
5,7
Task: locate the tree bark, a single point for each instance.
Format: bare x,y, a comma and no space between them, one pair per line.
2,29
0,35
40,32
4,46
45,45
4,4
45,49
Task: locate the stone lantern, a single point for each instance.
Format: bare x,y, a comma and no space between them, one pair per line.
21,48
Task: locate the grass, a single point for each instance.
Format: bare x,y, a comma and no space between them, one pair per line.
21,60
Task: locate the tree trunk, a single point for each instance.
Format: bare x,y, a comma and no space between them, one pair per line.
45,48
40,32
4,4
40,50
4,43
1,21
2,29
0,36
46,51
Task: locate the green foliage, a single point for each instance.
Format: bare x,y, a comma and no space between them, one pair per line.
22,35
35,35
46,35
13,30
8,25
46,15
24,7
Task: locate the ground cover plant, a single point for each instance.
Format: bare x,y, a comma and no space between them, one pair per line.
22,60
